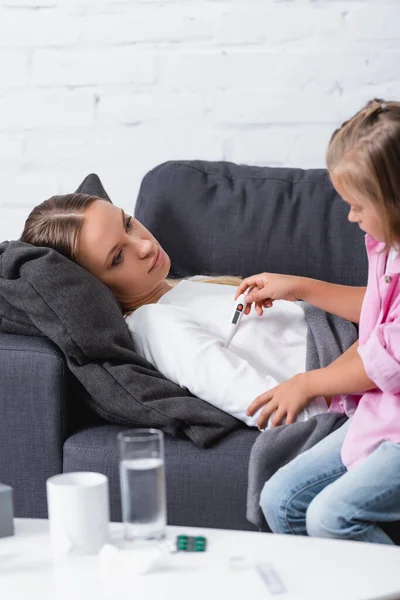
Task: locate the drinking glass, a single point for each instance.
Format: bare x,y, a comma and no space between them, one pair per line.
142,482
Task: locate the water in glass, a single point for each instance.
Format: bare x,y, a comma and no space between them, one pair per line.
143,498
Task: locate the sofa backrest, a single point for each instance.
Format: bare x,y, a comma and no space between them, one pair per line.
223,218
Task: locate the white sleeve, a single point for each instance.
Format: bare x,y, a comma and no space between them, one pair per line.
194,357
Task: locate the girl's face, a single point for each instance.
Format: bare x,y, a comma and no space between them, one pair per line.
123,254
362,211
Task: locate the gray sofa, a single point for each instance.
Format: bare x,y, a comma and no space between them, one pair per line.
210,218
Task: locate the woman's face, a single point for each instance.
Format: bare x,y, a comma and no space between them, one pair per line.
123,254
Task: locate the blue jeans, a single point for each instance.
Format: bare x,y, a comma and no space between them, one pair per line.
315,495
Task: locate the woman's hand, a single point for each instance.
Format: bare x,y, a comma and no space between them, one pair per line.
285,400
267,287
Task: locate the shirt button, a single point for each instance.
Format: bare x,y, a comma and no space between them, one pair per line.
388,279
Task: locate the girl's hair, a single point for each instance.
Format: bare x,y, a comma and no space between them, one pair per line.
56,223
364,156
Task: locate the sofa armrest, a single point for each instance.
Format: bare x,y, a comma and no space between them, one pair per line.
32,419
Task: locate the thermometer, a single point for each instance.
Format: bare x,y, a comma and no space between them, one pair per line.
237,315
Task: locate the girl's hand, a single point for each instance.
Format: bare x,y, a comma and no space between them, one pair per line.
267,287
285,400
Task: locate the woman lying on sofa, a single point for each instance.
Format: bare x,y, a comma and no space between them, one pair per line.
179,326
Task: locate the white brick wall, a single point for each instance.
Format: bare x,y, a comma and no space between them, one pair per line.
117,86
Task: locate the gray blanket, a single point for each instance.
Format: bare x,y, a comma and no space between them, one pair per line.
328,337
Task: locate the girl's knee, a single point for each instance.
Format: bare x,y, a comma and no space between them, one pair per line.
282,508
322,520
270,503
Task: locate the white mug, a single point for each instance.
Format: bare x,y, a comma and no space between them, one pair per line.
78,507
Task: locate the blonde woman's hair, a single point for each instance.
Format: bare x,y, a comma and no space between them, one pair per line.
57,222
219,279
364,156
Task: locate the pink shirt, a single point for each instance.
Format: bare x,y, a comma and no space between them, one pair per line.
376,415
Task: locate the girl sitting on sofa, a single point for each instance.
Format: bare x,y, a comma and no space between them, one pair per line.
348,484
178,326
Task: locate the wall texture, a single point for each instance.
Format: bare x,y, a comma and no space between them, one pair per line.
117,86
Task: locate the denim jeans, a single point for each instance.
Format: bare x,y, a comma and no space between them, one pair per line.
315,495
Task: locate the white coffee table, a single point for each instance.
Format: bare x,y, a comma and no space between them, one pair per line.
310,569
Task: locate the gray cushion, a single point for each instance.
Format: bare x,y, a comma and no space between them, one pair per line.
218,217
205,488
92,185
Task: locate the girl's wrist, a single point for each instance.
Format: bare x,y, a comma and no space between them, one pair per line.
301,286
310,381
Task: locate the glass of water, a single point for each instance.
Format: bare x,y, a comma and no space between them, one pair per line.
142,481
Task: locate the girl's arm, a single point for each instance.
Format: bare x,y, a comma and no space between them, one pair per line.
342,358
346,375
379,368
342,300
347,354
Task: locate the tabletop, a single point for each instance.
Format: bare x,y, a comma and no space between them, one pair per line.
308,568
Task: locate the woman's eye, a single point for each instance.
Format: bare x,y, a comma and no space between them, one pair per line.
117,259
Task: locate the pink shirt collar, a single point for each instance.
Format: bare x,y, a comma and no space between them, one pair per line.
375,247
